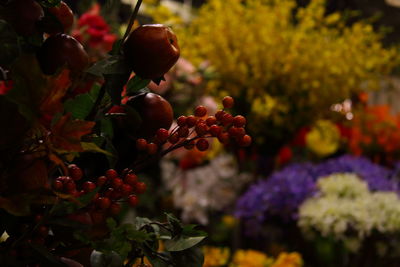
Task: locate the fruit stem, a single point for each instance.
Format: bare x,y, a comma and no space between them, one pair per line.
96,104
132,20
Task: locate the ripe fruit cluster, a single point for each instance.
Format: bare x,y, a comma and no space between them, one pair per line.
193,131
113,189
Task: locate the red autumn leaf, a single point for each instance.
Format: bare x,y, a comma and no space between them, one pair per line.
58,87
66,134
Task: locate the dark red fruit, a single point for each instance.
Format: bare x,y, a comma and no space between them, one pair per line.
219,114
57,185
133,200
131,179
103,203
239,121
189,144
228,102
75,172
141,144
111,174
181,121
174,138
140,187
215,130
152,149
201,129
155,112
183,131
64,15
23,15
223,138
202,144
211,120
200,111
116,183
62,50
162,135
191,121
101,180
245,141
151,50
126,189
227,119
88,186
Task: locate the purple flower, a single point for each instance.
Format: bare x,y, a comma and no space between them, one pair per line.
285,190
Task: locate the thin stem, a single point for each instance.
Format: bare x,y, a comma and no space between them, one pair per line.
132,20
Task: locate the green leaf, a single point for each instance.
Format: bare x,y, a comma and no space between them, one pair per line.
68,207
192,257
92,147
81,105
9,45
111,224
141,221
106,128
175,224
50,3
180,243
135,84
137,236
112,65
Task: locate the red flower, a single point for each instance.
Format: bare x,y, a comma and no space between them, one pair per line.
285,155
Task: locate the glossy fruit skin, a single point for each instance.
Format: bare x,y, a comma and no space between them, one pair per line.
64,15
151,50
155,112
23,16
59,50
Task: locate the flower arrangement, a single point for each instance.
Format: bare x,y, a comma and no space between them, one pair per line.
298,53
221,256
347,210
285,190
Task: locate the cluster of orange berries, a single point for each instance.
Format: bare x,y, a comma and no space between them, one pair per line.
112,190
223,126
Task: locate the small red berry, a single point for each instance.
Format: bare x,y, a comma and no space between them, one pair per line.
239,121
181,121
228,102
133,200
75,172
111,173
141,144
101,180
109,192
70,187
223,138
200,111
126,189
219,114
201,129
211,120
97,217
152,149
131,179
227,119
183,131
202,144
236,132
162,135
215,130
245,141
140,187
116,183
57,185
191,121
174,138
115,208
88,186
103,203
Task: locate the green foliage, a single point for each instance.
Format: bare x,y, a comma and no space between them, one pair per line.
9,45
82,104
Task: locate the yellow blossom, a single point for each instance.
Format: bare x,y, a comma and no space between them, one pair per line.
323,139
215,256
288,260
250,258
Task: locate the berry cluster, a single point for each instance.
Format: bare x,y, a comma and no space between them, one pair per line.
113,189
193,131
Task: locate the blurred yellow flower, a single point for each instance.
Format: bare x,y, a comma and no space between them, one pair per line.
229,220
250,258
215,256
324,138
288,260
